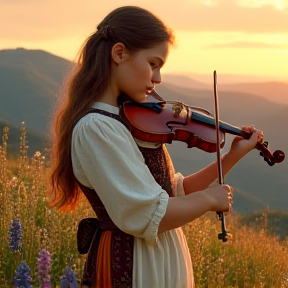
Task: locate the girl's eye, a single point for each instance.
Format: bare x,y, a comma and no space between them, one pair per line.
153,65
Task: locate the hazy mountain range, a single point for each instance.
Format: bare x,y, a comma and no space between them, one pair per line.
30,81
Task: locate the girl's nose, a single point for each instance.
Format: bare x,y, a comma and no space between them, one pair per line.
156,79
156,82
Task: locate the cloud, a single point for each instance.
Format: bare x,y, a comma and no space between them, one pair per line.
246,45
229,15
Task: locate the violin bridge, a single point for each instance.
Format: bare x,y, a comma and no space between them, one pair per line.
177,109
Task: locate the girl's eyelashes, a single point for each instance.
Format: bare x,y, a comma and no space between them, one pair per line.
153,65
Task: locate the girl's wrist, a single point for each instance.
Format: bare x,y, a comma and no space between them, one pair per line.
232,156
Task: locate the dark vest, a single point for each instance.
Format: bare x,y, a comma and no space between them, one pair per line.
90,229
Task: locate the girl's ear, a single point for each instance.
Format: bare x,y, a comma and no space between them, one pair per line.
117,53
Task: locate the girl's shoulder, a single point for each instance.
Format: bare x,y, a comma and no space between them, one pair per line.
97,121
100,112
101,125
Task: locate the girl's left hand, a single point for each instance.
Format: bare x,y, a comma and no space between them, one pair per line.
241,146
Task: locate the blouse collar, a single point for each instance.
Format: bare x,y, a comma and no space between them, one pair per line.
106,107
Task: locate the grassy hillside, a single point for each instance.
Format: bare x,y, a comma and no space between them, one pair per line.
252,258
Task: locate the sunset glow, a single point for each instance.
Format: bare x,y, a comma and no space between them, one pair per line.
246,37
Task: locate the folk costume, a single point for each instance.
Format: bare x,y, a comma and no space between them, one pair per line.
128,183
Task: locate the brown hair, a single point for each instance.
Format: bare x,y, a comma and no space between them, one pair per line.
137,29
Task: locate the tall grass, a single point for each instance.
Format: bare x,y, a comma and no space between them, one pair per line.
23,197
252,259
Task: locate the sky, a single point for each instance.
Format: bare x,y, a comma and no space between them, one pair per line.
239,37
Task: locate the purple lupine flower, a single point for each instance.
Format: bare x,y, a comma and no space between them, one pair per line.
43,268
69,280
15,236
22,278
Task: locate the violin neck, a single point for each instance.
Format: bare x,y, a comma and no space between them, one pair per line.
223,126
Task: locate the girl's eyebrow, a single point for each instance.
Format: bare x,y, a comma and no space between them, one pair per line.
160,60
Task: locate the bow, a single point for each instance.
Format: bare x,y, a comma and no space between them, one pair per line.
224,235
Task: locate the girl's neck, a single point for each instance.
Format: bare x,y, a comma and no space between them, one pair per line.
109,96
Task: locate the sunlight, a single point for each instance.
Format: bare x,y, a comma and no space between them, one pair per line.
278,4
198,52
208,2
204,2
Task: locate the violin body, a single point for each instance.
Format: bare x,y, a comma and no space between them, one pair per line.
168,124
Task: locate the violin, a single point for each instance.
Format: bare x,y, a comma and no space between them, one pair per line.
160,121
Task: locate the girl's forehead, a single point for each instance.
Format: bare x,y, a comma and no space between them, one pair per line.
160,51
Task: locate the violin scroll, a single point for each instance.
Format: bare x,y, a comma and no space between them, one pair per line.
277,157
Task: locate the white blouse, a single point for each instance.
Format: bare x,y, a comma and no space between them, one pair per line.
105,157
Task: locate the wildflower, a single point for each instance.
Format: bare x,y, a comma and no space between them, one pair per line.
69,280
43,268
15,237
37,154
22,278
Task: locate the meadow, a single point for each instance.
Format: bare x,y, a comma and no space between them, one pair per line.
43,240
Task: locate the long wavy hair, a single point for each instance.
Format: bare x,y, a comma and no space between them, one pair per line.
137,29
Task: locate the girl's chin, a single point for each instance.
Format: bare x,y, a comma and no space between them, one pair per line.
138,97
141,97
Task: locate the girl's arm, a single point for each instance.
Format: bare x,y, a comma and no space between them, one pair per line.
184,209
239,148
203,178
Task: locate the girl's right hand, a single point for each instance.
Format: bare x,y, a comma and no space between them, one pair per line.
220,197
185,209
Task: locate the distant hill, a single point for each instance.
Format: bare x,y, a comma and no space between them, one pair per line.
277,91
31,79
235,78
273,221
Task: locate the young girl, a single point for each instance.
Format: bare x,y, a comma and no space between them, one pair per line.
140,202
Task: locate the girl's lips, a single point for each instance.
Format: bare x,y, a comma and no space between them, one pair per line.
149,90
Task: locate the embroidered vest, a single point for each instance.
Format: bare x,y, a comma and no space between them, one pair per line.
90,229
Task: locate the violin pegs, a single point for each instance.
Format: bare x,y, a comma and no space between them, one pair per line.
270,163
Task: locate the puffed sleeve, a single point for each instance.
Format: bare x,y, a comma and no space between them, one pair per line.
179,189
106,158
178,177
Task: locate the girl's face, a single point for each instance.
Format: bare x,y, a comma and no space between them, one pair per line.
137,73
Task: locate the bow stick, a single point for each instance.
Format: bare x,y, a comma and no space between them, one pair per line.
224,234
